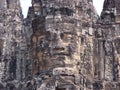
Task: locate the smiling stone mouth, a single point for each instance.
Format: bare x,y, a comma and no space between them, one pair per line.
60,51
58,48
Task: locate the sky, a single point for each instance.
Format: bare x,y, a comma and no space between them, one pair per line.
26,3
98,4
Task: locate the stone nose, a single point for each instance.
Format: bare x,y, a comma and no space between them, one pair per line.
58,43
57,37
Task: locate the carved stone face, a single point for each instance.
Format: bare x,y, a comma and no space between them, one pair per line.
62,44
56,45
62,36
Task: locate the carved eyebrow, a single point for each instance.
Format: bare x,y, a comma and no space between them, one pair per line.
68,33
42,36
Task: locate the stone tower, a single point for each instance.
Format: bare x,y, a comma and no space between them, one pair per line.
12,44
107,47
62,44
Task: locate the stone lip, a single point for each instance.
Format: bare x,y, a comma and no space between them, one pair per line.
64,71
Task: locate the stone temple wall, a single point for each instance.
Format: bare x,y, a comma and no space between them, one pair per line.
61,45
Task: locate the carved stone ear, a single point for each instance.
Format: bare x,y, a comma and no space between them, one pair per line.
10,86
10,3
1,43
1,46
1,86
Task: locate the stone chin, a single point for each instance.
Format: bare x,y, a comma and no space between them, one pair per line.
58,83
64,71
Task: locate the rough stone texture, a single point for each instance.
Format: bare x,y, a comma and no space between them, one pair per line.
61,45
107,42
13,47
